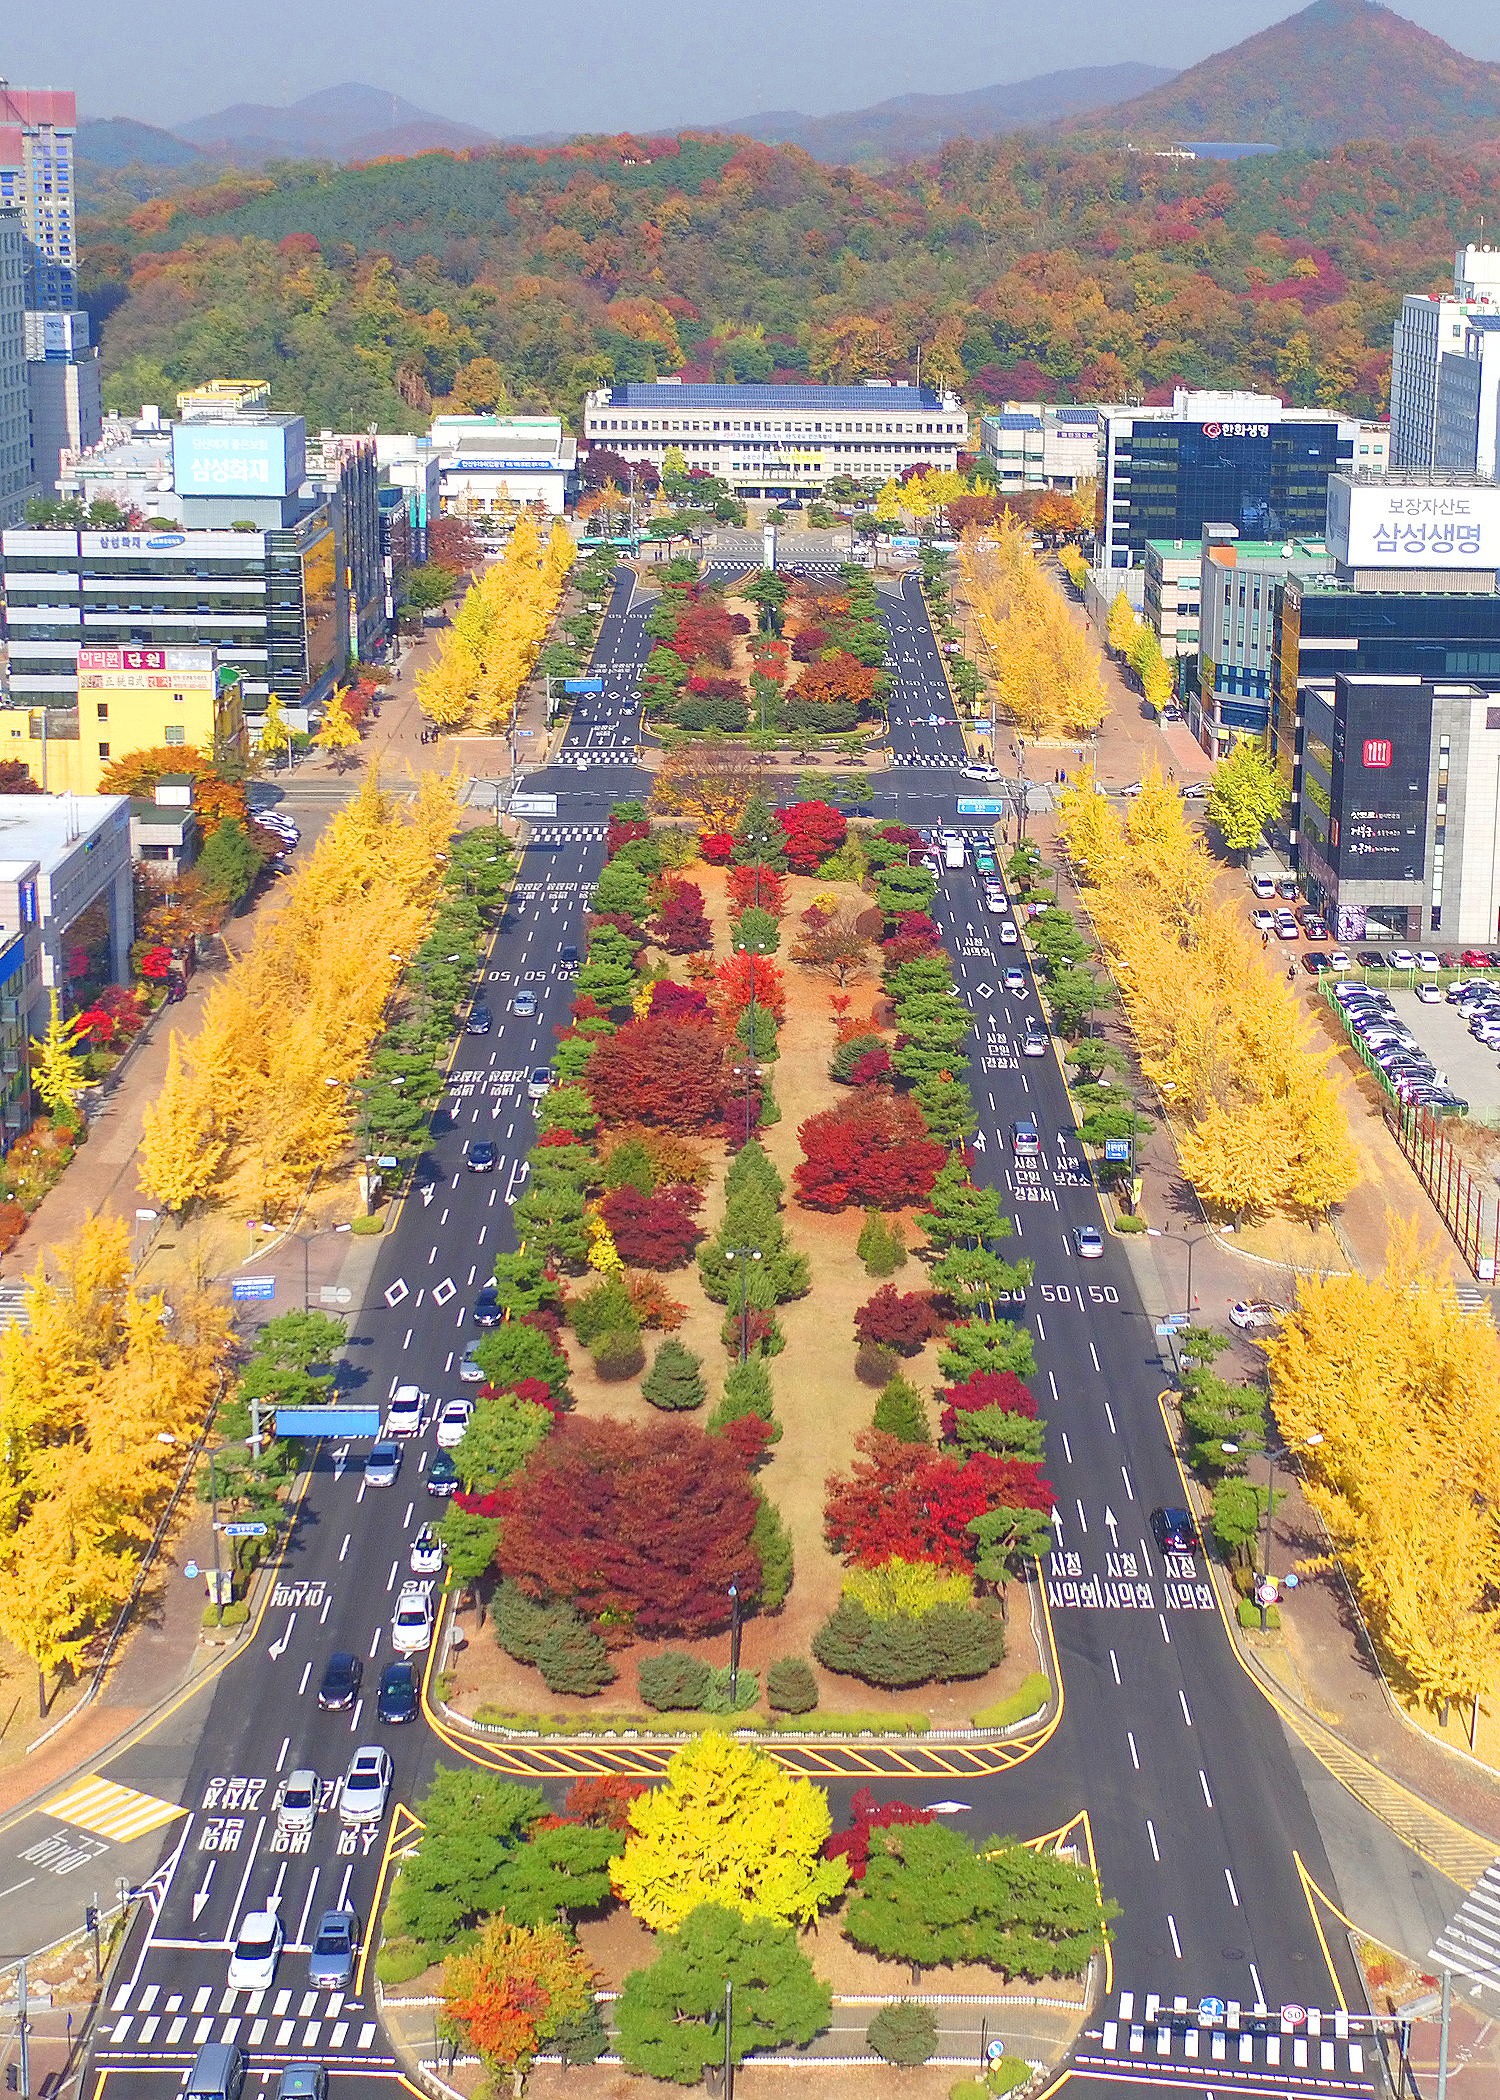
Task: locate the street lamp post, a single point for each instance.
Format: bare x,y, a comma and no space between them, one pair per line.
747,1072
744,1256
752,949
1198,1240
734,1640
1284,1451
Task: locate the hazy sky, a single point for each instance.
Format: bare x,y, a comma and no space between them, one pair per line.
511,69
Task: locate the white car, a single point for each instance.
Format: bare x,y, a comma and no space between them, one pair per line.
470,1369
1426,960
1015,979
1262,920
252,1966
1033,1043
1403,959
1089,1242
427,1554
411,1628
297,1803
981,773
996,900
367,1786
1256,1312
1429,994
1338,960
452,1421
404,1415
1008,935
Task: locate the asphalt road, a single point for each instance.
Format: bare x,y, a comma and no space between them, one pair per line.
1196,1810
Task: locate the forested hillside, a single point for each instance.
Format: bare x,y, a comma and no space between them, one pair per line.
1021,269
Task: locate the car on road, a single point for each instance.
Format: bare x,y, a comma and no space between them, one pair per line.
302,2080
481,1156
297,1803
442,1475
524,1004
1025,1138
396,1701
985,862
487,1306
452,1421
1034,1042
404,1415
1174,1531
1315,962
252,1965
567,958
427,1552
367,1785
411,1623
1015,979
1262,919
981,773
469,1369
1008,935
1088,1242
339,1686
332,1958
382,1464
539,1084
480,1021
995,899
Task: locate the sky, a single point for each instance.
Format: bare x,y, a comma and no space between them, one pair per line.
511,71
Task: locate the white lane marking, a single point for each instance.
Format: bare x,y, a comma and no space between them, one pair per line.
1234,1894
343,1901
1176,1943
390,1584
1110,1416
345,1547
359,1706
302,1687
286,1744
1093,1352
1186,1710
1067,1448
1260,1996
1151,1833
1082,1519
1053,1383
406,1520
1114,1665
307,1906
1161,1614
1041,1330
1203,1782
327,1602
1135,1758
1130,1491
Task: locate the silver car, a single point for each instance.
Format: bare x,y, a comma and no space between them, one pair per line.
333,1950
367,1785
298,1807
382,1465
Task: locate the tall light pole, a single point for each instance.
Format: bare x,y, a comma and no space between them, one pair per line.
752,949
744,1256
734,1640
747,1072
1284,1451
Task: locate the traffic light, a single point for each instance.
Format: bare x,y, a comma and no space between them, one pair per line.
12,2078
91,1917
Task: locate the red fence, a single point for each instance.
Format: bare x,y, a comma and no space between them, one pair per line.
1468,1203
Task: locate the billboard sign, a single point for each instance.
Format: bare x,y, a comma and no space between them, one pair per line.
153,546
238,459
537,462
328,1421
252,1287
1381,759
1413,525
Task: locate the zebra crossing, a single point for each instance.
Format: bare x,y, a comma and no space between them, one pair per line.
1291,2048
563,834
111,1811
944,761
1471,1299
1469,1943
13,1305
582,757
147,2021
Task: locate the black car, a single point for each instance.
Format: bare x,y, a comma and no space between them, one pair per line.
396,1700
1315,962
568,957
1370,959
487,1306
482,1156
340,1685
442,1475
1174,1531
480,1021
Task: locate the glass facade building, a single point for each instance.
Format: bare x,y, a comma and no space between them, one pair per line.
1268,480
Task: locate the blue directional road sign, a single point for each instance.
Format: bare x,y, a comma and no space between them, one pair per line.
328,1421
1117,1148
982,809
1211,2009
244,1531
253,1287
583,685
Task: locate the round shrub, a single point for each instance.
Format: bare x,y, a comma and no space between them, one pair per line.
875,1364
675,1380
619,1355
674,1681
904,2033
791,1687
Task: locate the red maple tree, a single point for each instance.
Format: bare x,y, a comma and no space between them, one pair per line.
853,1844
653,1232
900,1320
649,1525
902,1499
716,847
681,924
811,831
669,1073
743,890
620,832
1000,1389
742,975
872,1149
671,1001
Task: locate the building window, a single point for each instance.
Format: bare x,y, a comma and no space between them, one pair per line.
104,710
104,751
174,733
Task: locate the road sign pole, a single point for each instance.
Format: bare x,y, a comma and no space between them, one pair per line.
1442,2078
213,1508
26,2071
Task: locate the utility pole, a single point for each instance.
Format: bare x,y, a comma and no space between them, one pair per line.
213,1506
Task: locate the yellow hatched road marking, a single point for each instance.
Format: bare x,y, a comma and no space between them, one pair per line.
111,1811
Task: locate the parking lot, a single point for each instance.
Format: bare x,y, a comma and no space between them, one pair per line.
1471,1068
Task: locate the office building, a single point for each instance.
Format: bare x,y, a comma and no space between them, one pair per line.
1238,585
1171,600
64,392
20,967
255,544
59,855
413,465
16,483
1400,826
780,441
1236,459
1468,395
493,466
37,132
129,700
1034,445
1427,330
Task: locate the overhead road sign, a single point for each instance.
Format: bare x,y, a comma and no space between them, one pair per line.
533,805
982,809
583,685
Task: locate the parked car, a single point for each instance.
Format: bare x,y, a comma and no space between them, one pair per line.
331,1961
1370,959
1262,919
1427,960
1315,962
1338,960
367,1785
340,1682
1430,994
1403,959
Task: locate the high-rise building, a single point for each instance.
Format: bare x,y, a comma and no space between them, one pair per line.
1468,401
1428,329
37,129
16,482
62,379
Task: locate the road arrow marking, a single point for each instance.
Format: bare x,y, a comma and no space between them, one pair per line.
200,1896
278,1648
949,1808
1109,1525
977,1141
340,1460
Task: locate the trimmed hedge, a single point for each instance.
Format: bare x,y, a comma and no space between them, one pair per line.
1033,1694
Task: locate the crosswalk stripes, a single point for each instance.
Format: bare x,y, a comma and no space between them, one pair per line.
945,761
157,2023
1470,1299
1293,2046
111,1811
564,834
1470,1942
13,1305
596,755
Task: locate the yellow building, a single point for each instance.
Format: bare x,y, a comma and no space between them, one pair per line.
129,700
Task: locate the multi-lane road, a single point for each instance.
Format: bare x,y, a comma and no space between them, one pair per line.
1197,1810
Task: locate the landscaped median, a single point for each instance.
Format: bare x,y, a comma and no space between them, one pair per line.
611,1927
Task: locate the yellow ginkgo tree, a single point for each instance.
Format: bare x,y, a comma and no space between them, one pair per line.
57,1073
